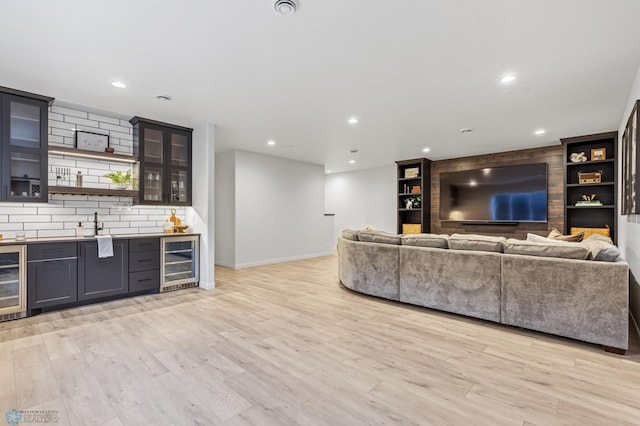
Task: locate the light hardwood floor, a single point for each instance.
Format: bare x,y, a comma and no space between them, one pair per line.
287,344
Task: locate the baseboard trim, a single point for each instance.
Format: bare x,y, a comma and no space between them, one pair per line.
280,260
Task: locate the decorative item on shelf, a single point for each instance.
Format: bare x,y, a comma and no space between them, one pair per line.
578,157
120,179
588,200
411,228
598,154
606,231
412,172
415,189
590,177
79,179
109,150
91,141
408,203
178,226
63,176
413,202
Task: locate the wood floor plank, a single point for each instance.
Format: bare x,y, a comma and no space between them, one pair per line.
287,344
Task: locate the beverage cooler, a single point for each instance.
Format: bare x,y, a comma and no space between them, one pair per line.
179,262
13,282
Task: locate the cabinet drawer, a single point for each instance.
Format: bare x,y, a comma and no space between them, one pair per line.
144,244
144,280
51,251
144,261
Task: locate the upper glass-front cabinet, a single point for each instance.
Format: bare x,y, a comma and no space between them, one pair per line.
165,162
23,147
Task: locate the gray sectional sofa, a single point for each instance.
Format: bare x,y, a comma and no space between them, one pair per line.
572,297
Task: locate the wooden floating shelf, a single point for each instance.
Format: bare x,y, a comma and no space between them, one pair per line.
92,191
92,154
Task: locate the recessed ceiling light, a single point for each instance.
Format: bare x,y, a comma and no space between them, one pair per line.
285,7
508,78
540,132
119,84
271,142
352,120
426,149
328,171
352,161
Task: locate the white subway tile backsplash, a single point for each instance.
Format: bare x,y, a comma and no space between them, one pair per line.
82,121
55,116
23,218
57,233
4,218
116,128
18,209
56,210
35,226
104,119
69,111
10,227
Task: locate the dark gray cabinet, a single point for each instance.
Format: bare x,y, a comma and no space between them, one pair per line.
51,274
144,264
165,153
98,278
23,146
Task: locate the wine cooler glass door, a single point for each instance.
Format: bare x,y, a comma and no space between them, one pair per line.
13,297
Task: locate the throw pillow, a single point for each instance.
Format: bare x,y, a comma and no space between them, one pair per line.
557,235
562,249
350,234
476,242
540,239
426,240
379,237
609,254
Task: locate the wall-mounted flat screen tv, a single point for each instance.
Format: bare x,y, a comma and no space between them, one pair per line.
496,194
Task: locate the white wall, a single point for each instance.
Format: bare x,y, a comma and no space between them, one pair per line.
629,225
362,198
225,209
278,210
201,215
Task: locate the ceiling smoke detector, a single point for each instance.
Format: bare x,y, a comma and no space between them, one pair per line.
285,7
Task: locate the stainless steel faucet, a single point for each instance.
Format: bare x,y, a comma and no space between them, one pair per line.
95,224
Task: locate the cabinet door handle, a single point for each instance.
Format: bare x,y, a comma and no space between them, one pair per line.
144,260
144,279
56,250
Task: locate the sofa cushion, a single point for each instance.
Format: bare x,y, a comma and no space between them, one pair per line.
426,240
601,248
350,234
557,235
562,249
476,242
373,236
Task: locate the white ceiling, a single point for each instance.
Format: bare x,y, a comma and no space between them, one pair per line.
413,71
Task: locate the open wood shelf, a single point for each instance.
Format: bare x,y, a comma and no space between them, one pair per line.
92,191
92,154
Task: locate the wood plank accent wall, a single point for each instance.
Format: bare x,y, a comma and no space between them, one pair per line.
552,155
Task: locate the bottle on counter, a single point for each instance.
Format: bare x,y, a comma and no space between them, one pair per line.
79,179
79,229
168,227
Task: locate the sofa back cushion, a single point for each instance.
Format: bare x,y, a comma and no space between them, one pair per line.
476,242
350,234
562,249
426,240
373,236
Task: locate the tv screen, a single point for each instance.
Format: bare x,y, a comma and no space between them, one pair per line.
496,194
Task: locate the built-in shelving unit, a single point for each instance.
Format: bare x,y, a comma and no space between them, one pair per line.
414,184
605,191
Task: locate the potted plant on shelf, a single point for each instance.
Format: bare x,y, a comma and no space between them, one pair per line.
120,179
